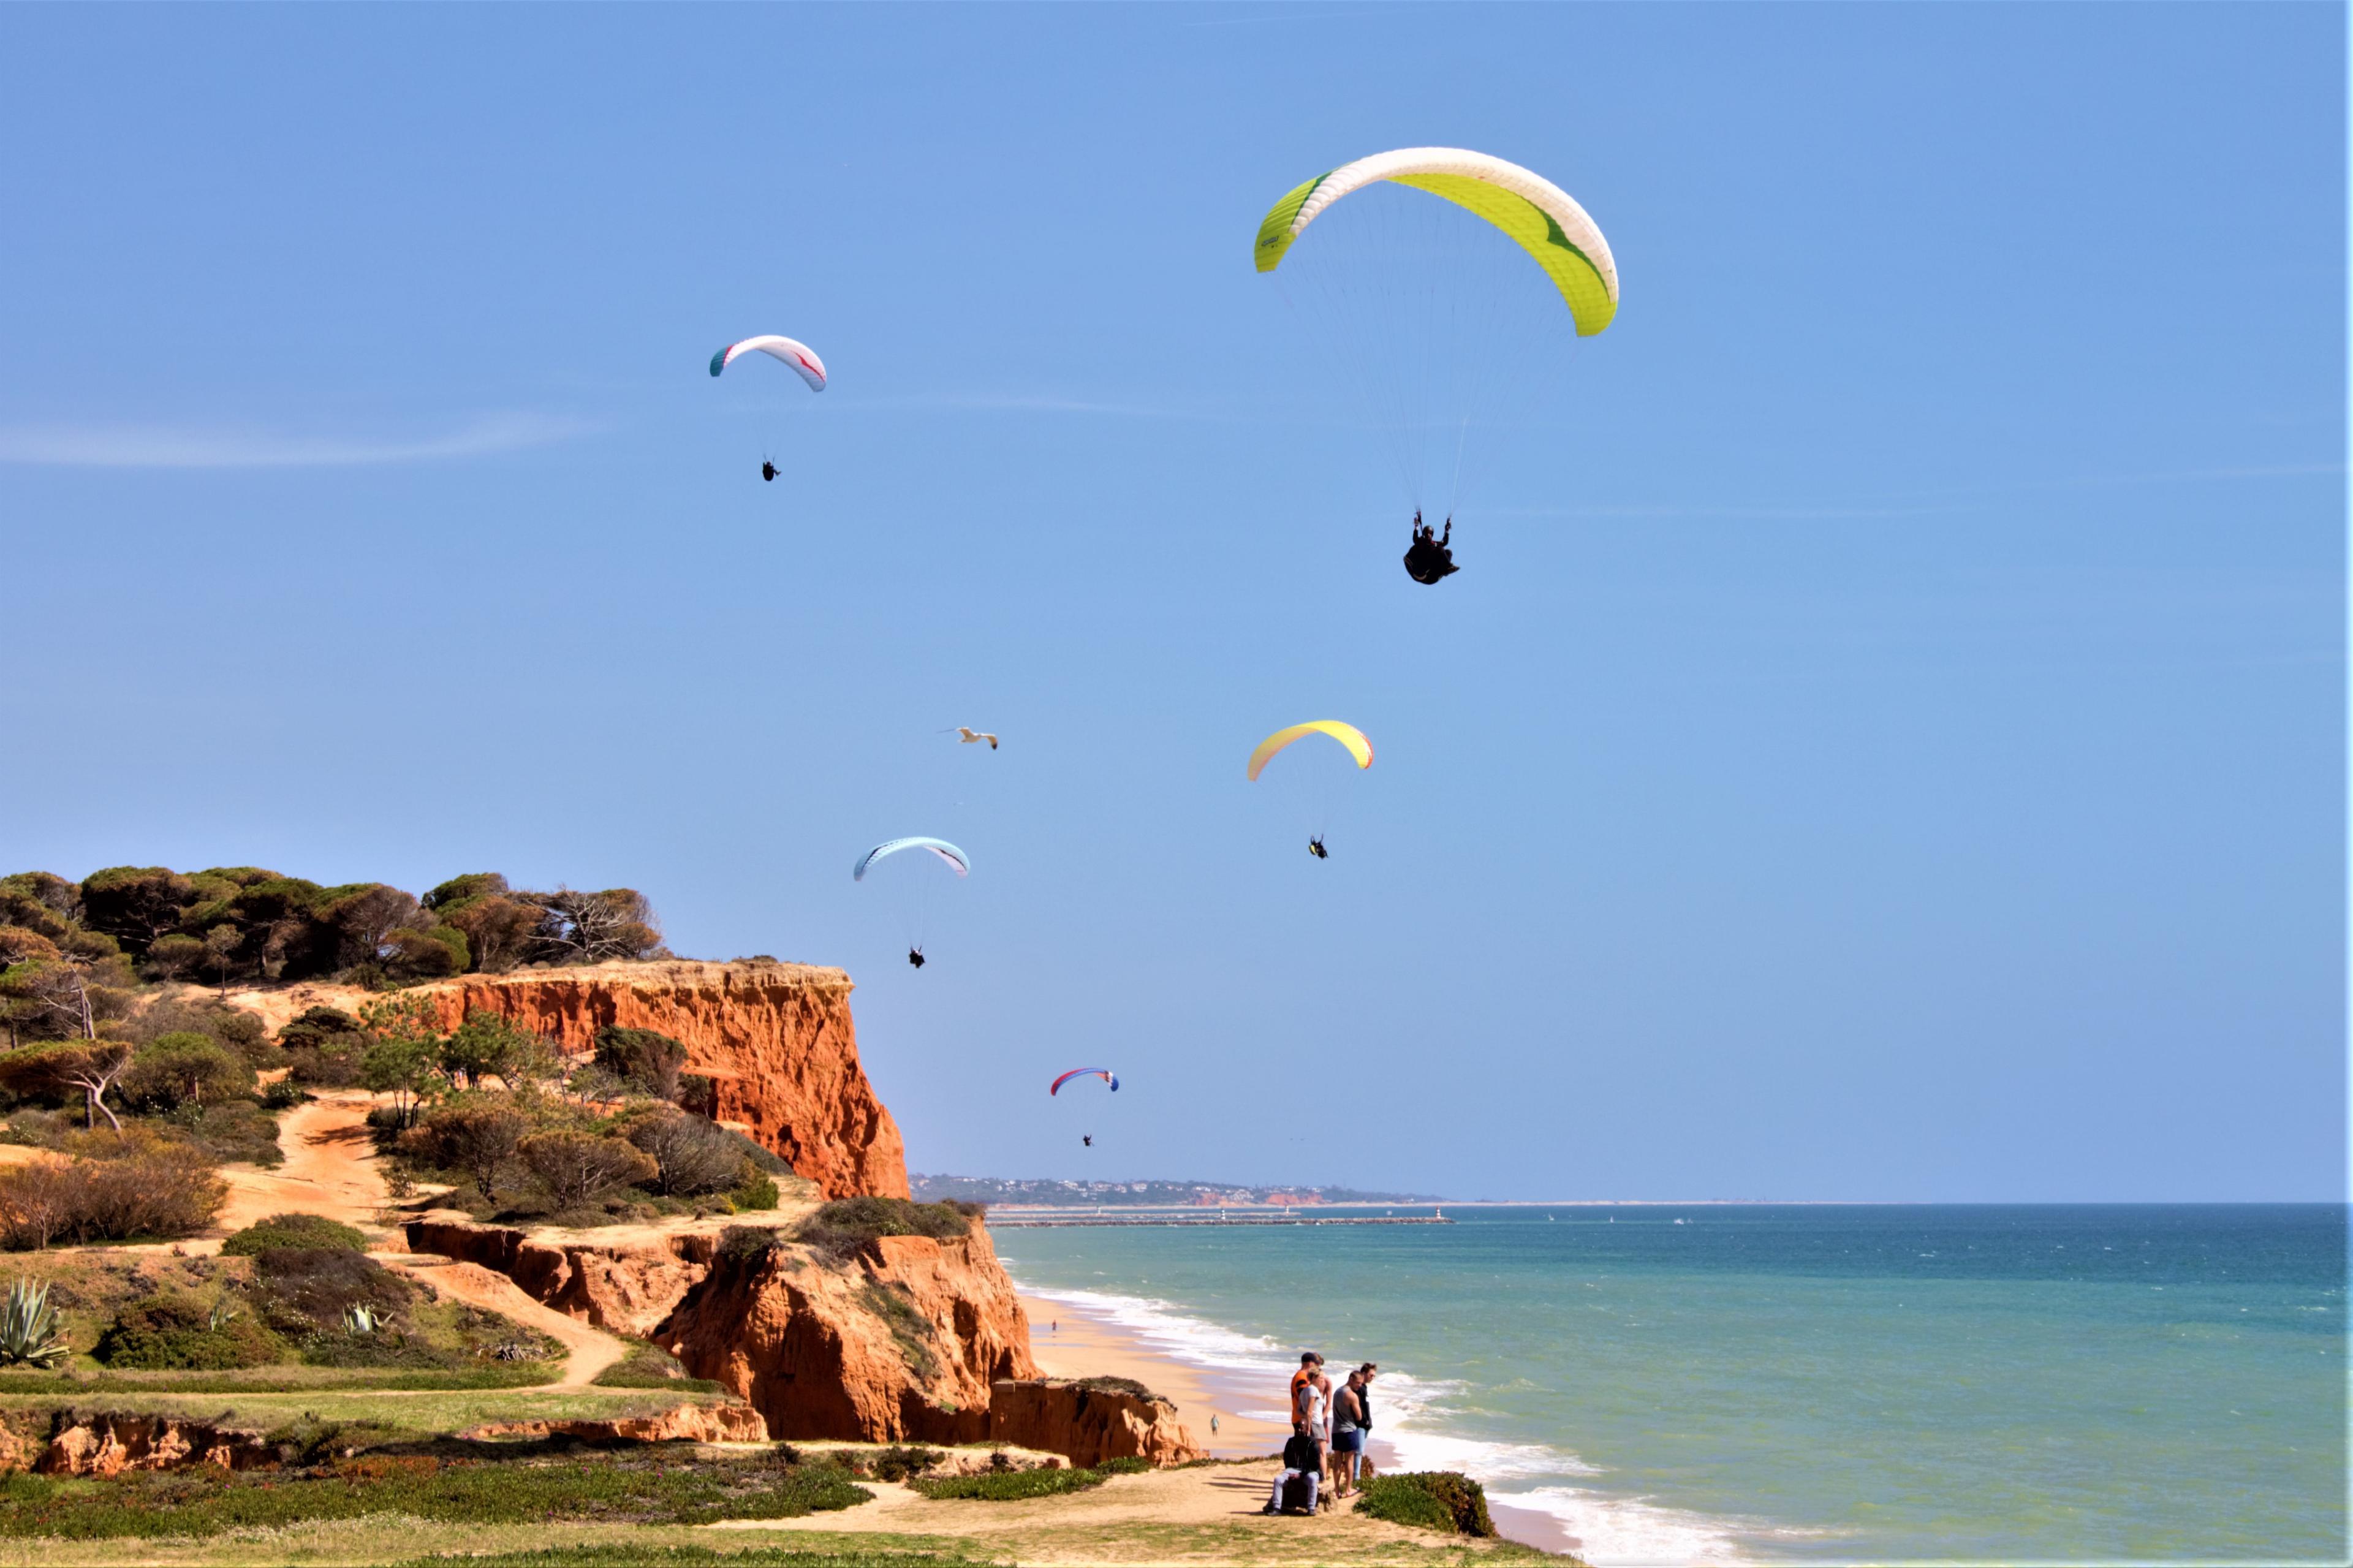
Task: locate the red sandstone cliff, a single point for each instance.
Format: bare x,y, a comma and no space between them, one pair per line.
908,1339
900,1342
774,1038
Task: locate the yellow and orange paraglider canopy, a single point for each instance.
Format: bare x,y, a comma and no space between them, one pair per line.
1349,735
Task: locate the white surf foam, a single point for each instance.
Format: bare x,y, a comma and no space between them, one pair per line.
1412,1432
1631,1533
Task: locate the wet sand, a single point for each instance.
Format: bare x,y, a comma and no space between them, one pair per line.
1068,1343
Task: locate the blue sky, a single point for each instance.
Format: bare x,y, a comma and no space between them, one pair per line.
1887,741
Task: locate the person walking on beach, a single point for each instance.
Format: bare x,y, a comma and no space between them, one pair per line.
1349,1418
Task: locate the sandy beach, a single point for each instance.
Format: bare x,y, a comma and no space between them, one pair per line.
1070,1343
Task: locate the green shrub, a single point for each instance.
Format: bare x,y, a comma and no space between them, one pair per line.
845,1224
650,1366
185,1068
324,1047
1434,1499
577,1169
174,1333
1126,1464
239,1130
307,1292
139,1184
748,1245
656,1488
1115,1386
1008,1486
755,1194
475,1133
690,1156
307,1232
910,1329
284,1094
645,1060
696,1557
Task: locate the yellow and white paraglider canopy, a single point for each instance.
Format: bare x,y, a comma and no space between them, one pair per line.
1541,217
1443,320
1349,735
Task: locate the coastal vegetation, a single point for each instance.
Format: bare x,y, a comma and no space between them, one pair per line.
845,1224
698,1557
1009,1486
1433,1500
72,953
353,1383
456,1482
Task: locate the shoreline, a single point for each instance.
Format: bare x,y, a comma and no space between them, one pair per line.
1070,1340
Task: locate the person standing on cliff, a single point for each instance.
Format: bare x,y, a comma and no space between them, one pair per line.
1313,1413
1309,1362
1349,1417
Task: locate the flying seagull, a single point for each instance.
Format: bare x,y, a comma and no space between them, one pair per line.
970,736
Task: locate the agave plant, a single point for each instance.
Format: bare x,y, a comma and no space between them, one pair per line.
28,1328
361,1320
223,1315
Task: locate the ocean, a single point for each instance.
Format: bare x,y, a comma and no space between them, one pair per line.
2111,1384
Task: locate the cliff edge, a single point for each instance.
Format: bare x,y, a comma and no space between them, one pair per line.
775,1040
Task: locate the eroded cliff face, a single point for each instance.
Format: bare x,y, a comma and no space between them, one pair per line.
907,1340
1089,1424
899,1342
775,1040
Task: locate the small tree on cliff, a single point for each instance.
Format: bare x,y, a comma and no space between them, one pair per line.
690,1156
88,1069
476,1134
589,927
488,1046
649,1061
578,1168
404,1054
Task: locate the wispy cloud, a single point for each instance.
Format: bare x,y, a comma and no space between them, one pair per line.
186,446
1029,403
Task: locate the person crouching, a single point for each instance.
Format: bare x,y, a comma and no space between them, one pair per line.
1302,1466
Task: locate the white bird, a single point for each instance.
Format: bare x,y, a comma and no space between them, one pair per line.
970,736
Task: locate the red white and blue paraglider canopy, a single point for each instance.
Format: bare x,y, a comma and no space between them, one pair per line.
1103,1073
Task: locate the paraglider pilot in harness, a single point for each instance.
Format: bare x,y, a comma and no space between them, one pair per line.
1315,847
768,471
915,956
1430,556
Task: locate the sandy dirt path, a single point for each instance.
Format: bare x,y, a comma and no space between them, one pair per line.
590,1350
1089,1522
329,1167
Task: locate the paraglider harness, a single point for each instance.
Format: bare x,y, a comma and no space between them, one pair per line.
768,471
1430,557
1315,847
915,956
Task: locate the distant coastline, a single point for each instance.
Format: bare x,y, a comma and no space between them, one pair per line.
999,1192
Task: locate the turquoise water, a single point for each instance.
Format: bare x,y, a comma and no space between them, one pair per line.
2047,1384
